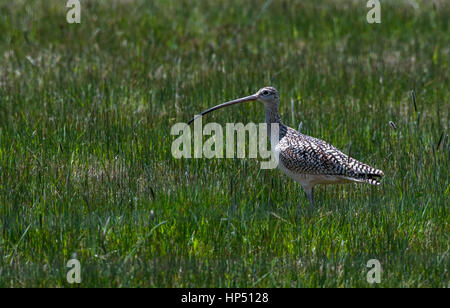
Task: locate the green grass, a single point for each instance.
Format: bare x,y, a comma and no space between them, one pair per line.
85,146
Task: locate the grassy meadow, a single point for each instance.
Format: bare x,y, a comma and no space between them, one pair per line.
86,169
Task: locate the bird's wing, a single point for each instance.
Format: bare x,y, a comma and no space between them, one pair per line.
308,155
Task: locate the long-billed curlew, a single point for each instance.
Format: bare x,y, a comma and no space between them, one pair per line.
307,160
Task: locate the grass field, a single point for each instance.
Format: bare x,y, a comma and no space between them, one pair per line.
86,169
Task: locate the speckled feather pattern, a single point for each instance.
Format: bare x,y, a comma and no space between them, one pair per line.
308,155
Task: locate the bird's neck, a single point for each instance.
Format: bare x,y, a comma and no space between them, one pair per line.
272,114
273,117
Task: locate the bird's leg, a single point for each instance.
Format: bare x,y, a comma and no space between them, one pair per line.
310,194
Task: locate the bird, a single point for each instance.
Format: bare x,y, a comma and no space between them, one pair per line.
307,160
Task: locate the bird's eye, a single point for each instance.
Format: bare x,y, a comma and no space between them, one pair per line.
265,92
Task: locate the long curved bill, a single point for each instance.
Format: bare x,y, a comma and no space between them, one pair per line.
236,101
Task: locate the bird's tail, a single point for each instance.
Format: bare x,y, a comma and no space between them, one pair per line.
365,174
372,176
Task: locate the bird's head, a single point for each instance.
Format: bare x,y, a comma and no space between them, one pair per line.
267,95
